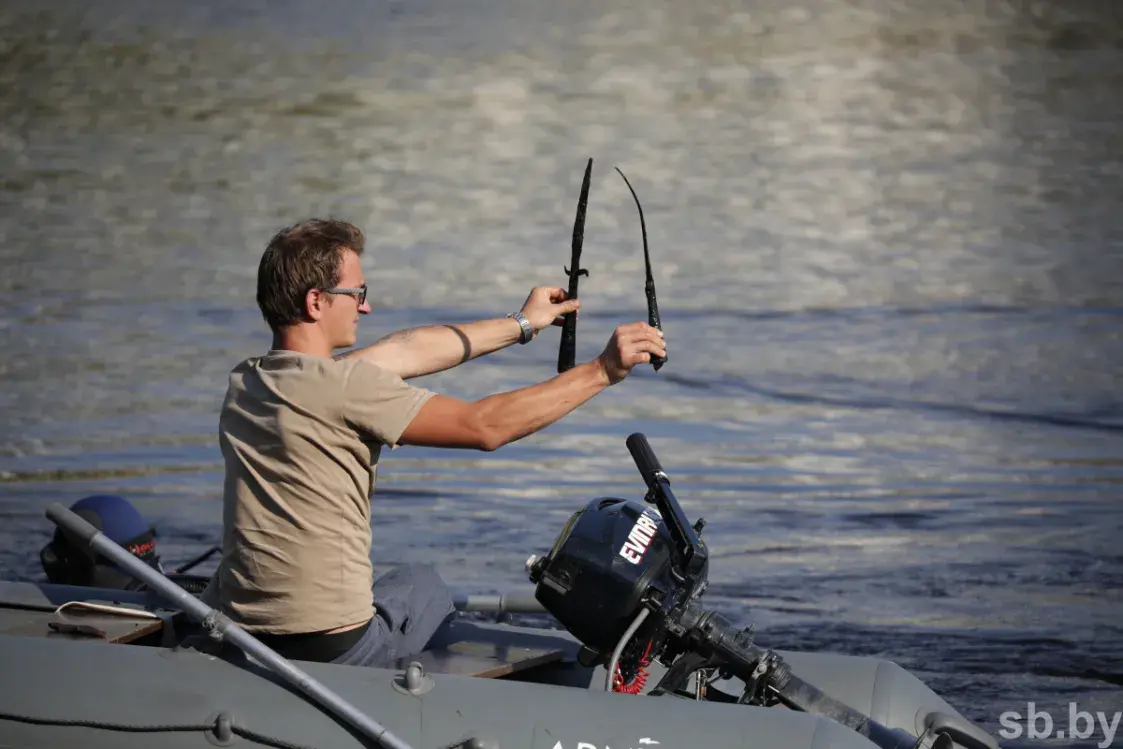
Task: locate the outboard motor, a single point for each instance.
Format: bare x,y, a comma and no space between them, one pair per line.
613,557
626,580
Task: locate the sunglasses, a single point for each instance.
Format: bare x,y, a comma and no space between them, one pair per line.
359,293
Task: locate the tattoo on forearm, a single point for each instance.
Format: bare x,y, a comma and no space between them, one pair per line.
463,341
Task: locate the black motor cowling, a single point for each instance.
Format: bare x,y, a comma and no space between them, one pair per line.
612,555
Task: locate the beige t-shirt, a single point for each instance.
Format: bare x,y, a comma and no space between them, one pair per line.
301,436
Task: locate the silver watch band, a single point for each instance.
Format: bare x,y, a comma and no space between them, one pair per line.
527,334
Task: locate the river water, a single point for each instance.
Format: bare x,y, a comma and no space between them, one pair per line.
887,239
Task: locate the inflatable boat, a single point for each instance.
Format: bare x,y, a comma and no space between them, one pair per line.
635,660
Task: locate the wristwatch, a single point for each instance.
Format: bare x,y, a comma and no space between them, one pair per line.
527,334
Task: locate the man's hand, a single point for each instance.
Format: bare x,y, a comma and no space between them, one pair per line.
630,345
546,305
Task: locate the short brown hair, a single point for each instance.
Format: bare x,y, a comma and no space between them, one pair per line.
302,257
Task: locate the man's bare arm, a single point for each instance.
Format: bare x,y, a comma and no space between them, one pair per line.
496,420
435,348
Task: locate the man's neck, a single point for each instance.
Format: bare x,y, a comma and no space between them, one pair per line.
303,340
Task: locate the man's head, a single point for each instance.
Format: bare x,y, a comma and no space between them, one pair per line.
310,275
68,562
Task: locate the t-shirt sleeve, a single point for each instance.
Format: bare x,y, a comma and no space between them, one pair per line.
380,403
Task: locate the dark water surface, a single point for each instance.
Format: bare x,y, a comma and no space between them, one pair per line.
888,242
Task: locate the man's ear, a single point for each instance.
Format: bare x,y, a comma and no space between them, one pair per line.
314,303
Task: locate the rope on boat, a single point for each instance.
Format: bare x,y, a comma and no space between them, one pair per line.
217,727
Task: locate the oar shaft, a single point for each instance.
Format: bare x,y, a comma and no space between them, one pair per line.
217,622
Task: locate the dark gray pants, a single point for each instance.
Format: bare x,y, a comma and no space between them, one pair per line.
412,603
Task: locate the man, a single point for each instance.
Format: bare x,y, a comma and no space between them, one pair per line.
69,562
302,429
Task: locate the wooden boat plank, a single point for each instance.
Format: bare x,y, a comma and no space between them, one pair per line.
74,624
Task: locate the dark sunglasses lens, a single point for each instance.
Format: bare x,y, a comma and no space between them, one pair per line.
363,296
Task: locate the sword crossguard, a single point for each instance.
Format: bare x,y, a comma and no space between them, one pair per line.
572,273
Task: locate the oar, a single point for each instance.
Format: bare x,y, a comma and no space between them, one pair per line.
220,626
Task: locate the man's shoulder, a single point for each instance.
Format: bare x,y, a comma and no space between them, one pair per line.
283,382
353,378
365,372
275,363
316,382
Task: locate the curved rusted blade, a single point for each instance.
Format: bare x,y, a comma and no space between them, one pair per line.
567,349
649,286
